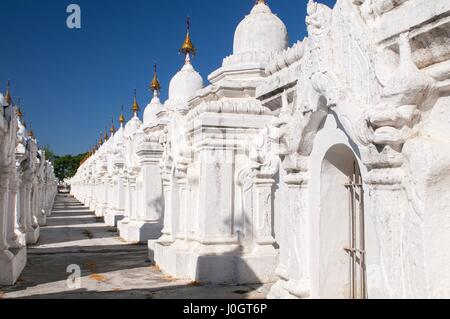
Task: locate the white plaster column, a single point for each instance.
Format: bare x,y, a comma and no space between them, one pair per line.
13,240
152,195
150,200
19,214
168,230
216,197
299,282
183,219
34,206
30,227
387,205
263,215
3,212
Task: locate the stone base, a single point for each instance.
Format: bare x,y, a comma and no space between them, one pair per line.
49,209
42,220
100,211
21,237
12,263
33,236
290,289
214,264
112,218
278,291
139,232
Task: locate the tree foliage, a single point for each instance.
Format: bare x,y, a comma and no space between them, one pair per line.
49,154
65,166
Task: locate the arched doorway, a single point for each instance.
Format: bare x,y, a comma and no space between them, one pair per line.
342,245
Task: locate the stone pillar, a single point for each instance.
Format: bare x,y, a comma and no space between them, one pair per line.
12,258
263,216
132,203
19,216
31,228
386,209
13,240
299,284
126,204
127,226
152,201
26,222
3,213
294,267
216,198
168,230
116,200
40,206
183,209
34,206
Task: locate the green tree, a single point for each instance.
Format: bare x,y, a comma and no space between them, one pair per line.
49,154
66,166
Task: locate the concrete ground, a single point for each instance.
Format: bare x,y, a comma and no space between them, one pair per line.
110,268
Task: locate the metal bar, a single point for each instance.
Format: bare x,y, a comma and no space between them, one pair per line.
349,250
353,244
362,240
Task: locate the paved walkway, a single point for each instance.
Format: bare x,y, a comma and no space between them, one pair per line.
110,268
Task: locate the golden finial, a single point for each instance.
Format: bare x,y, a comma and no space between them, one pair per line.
188,47
136,107
8,98
19,111
100,141
155,86
30,131
105,136
112,130
121,118
260,1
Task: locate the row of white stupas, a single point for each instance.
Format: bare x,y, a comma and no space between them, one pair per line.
323,167
27,189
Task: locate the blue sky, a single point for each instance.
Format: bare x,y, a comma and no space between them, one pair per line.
71,82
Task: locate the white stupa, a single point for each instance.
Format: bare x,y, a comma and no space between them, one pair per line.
187,81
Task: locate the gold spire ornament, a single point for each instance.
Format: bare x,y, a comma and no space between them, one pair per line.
30,132
155,86
19,110
135,107
100,141
121,118
188,47
112,129
105,136
260,1
8,98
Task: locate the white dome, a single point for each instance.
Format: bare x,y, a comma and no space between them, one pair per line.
260,31
185,83
132,126
151,111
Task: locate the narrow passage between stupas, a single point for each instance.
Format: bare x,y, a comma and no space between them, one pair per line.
110,267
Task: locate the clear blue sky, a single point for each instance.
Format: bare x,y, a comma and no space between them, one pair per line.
71,82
